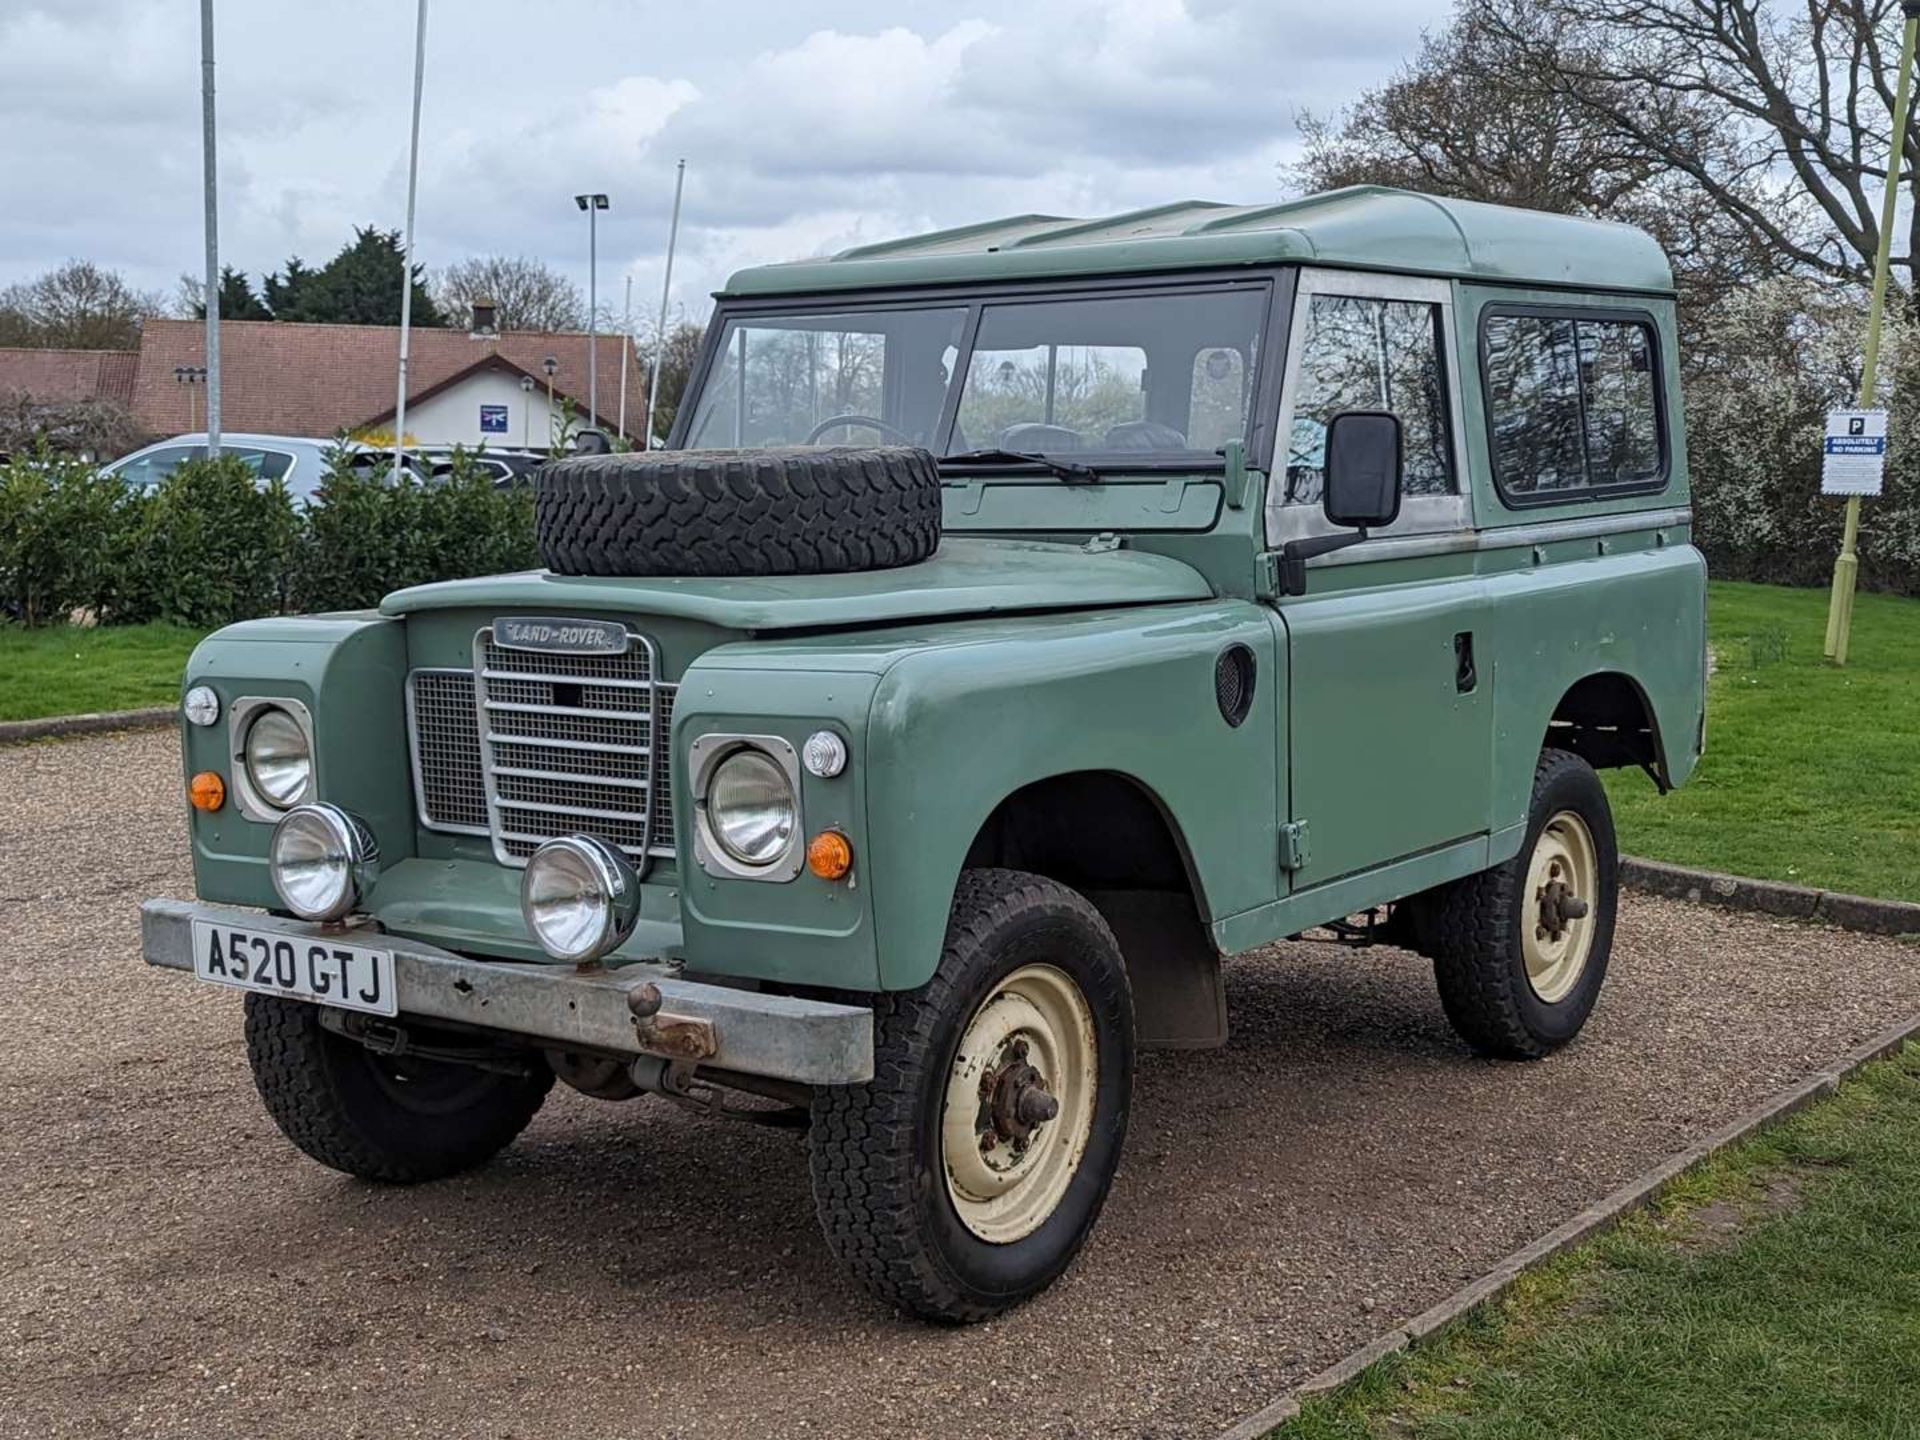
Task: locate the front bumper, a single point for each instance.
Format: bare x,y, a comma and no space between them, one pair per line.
813,1042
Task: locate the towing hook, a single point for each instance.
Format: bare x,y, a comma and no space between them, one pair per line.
644,1001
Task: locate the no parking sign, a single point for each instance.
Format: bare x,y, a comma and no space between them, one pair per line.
1855,452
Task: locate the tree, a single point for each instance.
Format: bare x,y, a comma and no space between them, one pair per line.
359,286
1801,97
1480,114
676,368
525,293
77,306
237,300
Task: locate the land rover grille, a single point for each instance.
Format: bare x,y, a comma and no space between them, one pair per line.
544,744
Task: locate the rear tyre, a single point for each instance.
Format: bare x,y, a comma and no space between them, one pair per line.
398,1119
966,1175
1520,951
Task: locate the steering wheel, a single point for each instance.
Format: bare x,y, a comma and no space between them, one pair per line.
834,422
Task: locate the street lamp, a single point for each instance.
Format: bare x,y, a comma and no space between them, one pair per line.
526,409
190,375
593,205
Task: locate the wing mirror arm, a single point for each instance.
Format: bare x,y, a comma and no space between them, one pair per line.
1295,554
1364,452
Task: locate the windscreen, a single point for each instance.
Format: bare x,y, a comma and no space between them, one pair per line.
1161,376
850,378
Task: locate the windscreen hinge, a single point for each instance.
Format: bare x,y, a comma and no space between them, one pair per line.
1103,542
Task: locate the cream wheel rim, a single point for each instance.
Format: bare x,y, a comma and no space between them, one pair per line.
1019,1104
1563,885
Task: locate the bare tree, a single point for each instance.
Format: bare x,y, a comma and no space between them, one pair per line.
1481,113
676,368
77,306
525,293
1801,96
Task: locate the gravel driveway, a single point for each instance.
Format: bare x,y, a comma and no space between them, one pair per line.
169,1266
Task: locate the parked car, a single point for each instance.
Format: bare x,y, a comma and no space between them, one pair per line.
507,468
298,460
1070,605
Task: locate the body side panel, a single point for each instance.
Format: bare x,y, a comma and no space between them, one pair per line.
956,729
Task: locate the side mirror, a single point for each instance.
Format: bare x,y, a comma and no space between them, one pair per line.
1363,461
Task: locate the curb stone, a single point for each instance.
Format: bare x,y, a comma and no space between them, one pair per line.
153,717
1635,1195
1737,892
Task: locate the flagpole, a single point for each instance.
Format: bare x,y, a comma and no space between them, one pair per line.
666,290
406,263
626,344
210,299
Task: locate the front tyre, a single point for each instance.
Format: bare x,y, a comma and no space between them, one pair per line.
1520,951
966,1175
400,1119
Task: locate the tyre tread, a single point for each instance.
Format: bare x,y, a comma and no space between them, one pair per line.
287,1049
860,1147
796,511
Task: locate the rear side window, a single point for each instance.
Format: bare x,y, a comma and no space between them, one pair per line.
1573,404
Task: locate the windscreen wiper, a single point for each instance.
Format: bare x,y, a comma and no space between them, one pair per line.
1071,471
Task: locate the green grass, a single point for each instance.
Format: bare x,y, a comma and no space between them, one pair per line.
1812,774
69,671
1772,1294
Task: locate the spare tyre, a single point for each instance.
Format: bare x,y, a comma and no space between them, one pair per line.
795,511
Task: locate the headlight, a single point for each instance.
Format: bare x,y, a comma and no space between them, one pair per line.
279,760
579,897
751,806
323,861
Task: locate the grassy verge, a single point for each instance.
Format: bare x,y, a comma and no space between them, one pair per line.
1812,774
1772,1294
69,671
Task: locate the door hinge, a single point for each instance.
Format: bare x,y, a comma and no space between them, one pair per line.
1266,575
1293,845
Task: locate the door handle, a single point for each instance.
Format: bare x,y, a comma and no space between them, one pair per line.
1465,677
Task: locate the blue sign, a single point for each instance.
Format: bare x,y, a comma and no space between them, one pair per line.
493,419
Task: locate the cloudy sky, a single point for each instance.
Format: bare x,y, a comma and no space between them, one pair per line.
807,125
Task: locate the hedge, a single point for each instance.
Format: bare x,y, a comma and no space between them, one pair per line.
211,545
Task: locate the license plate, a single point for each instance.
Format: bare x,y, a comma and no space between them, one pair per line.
303,967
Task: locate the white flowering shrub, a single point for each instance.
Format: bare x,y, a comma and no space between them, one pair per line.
1764,366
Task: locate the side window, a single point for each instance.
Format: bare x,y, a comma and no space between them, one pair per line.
149,470
274,464
1572,403
1367,354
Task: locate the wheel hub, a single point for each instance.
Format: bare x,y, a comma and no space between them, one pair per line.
1017,1100
1563,880
1559,906
1019,1103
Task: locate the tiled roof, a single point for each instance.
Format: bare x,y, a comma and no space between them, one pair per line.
280,378
60,377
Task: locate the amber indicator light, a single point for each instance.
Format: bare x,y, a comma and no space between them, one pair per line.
829,855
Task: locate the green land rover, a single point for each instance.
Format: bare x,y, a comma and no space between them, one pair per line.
1023,617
